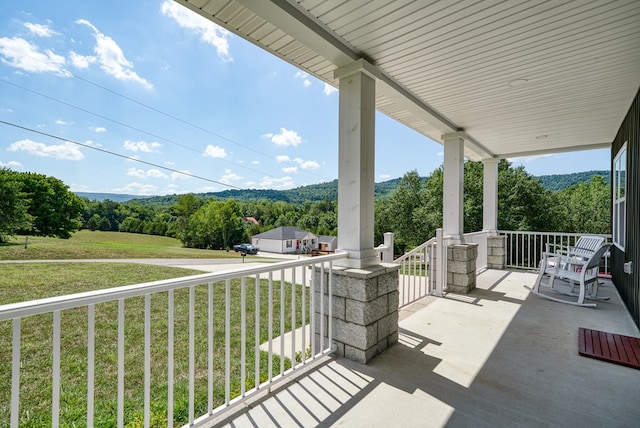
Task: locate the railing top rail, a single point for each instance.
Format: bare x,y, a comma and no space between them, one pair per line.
415,250
572,234
40,306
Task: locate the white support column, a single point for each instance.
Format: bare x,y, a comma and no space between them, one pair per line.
452,209
490,196
356,162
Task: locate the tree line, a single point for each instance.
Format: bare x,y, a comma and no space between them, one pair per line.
33,204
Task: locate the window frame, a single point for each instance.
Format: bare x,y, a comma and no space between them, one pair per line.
619,198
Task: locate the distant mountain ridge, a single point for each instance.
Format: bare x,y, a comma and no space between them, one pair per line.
322,191
562,181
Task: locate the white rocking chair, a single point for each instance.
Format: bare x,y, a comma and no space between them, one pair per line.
581,270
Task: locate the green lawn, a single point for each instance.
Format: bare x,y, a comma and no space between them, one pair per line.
27,281
85,244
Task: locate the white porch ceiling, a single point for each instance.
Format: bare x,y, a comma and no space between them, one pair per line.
447,66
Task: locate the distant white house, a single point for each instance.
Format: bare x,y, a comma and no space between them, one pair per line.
286,239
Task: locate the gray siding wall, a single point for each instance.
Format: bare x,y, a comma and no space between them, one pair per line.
629,285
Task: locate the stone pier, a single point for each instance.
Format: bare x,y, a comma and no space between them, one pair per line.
461,267
364,310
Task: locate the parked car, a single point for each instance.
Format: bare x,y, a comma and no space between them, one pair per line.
245,248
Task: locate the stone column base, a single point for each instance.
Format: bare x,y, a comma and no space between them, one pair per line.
496,252
364,310
461,267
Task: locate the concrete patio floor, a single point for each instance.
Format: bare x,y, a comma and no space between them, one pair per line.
499,356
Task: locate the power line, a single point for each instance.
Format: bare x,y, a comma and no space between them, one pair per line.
150,108
15,125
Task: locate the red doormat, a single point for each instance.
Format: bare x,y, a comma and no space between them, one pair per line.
614,348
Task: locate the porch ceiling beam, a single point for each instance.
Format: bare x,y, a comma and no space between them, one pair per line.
555,150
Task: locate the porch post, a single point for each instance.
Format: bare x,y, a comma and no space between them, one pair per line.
452,207
364,301
356,162
490,196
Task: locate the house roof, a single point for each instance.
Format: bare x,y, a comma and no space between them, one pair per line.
284,233
326,239
514,78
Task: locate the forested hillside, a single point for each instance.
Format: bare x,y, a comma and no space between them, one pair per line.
322,191
563,181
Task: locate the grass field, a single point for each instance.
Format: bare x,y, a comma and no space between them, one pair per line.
28,281
85,244
34,280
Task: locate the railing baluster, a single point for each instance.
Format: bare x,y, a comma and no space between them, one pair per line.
329,304
91,360
293,318
304,315
322,348
210,331
257,333
270,327
192,348
282,327
170,357
55,381
227,341
120,363
312,312
15,373
243,335
147,360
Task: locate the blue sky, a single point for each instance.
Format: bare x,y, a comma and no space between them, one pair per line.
150,91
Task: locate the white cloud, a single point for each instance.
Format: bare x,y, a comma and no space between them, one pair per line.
384,176
169,163
141,146
181,175
92,144
63,122
276,183
81,61
99,129
21,54
137,189
6,110
290,169
255,162
40,30
111,58
67,151
229,176
310,164
10,164
156,173
286,138
283,158
139,173
216,152
328,89
304,77
209,32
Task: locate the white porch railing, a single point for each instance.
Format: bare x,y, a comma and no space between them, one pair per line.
179,350
524,249
417,272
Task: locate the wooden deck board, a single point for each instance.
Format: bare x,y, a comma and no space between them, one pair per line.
611,347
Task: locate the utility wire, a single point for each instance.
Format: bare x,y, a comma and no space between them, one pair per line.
120,123
150,108
15,125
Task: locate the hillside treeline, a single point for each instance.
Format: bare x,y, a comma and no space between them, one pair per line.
413,211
